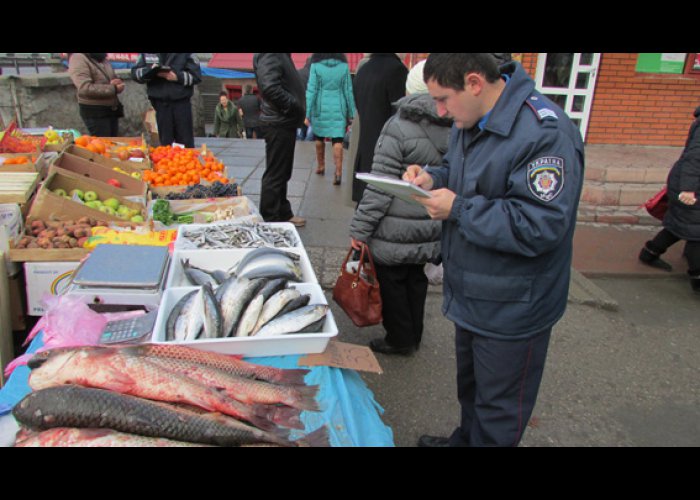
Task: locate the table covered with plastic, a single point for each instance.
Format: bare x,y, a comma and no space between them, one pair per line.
348,407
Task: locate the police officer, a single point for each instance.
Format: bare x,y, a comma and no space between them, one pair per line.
507,193
170,79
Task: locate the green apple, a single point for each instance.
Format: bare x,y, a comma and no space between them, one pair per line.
107,210
90,196
136,175
124,210
137,218
93,204
112,203
77,192
60,192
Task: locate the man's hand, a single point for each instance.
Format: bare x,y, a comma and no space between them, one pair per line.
119,85
168,75
419,177
687,197
356,244
439,205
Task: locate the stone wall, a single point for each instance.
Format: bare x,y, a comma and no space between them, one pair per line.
50,99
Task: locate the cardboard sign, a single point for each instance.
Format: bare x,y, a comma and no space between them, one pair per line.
343,355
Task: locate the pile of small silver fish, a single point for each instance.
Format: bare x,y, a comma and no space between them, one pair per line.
240,235
134,396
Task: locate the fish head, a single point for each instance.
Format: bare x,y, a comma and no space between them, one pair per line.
49,368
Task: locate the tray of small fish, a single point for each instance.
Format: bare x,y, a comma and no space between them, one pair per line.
252,317
199,267
229,234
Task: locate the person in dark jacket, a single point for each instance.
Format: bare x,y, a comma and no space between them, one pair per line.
682,220
170,79
380,82
283,111
227,118
507,193
250,105
401,235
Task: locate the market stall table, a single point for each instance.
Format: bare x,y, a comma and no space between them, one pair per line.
348,407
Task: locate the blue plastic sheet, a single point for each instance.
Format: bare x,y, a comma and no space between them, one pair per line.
348,407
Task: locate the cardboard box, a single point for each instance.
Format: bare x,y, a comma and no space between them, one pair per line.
50,206
95,171
46,278
129,166
11,230
23,167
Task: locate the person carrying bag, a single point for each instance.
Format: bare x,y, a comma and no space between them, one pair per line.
357,290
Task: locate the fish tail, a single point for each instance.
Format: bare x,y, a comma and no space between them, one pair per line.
318,438
304,398
290,377
286,416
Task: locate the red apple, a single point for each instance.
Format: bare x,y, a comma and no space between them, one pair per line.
115,183
137,153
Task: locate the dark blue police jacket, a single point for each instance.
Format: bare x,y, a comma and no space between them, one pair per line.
507,243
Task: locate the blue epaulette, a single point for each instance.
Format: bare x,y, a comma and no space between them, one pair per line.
541,107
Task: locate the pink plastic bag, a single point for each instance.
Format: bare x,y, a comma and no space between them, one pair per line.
68,322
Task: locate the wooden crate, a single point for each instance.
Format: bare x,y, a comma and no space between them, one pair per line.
17,187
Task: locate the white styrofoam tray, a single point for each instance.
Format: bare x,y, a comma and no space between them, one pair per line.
224,260
181,243
297,343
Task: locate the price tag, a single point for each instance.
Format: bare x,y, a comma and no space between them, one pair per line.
343,355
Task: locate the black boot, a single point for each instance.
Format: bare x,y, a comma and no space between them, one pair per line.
653,259
695,283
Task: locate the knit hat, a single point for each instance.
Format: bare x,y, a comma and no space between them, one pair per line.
414,81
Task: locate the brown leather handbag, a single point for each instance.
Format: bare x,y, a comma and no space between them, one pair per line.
357,293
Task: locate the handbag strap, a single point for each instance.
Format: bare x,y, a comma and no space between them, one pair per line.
372,272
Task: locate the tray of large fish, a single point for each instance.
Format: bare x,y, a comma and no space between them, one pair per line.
229,234
248,316
199,267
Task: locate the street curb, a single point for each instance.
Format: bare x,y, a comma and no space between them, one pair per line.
585,292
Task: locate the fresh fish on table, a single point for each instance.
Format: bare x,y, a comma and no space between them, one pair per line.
197,276
250,316
260,252
74,406
294,321
234,295
274,305
196,314
269,264
119,371
294,304
226,363
240,235
67,437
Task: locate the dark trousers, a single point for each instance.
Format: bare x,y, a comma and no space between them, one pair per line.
497,385
665,239
102,127
403,289
174,119
279,160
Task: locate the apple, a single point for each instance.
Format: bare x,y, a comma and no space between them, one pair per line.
137,153
124,210
112,203
90,196
115,183
136,175
107,210
60,192
93,204
77,192
137,218
123,155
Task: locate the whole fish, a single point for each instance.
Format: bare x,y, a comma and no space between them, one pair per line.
294,304
197,276
274,305
294,321
186,318
119,371
213,323
269,263
243,389
250,316
260,252
234,295
226,363
67,437
272,287
74,406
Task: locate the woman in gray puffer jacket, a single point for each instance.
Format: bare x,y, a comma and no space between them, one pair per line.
401,235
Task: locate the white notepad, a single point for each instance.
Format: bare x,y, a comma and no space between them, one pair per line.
397,187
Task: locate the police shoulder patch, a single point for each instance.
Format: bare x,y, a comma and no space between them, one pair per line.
545,177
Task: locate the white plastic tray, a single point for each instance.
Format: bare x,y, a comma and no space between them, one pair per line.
224,260
298,343
181,243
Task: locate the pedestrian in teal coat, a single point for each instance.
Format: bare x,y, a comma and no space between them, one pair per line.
330,107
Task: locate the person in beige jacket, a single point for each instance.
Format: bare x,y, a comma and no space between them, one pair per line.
98,90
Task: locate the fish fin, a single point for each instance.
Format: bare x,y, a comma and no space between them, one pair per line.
304,398
290,376
318,438
285,416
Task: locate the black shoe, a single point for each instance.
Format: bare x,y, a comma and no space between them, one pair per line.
380,345
433,442
695,284
651,259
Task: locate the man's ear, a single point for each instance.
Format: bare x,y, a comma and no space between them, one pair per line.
474,83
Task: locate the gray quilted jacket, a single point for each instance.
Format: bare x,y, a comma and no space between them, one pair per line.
398,232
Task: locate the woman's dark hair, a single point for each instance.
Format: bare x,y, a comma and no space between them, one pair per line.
321,56
223,92
448,70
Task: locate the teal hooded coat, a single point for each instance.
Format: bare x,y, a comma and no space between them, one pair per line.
329,100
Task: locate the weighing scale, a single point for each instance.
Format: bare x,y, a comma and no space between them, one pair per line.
128,276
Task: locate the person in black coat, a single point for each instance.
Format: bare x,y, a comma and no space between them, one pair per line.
682,221
380,82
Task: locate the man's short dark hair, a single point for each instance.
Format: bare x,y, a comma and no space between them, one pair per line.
448,70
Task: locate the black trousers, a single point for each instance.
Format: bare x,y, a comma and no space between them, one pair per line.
497,386
279,160
174,119
102,127
665,239
403,289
